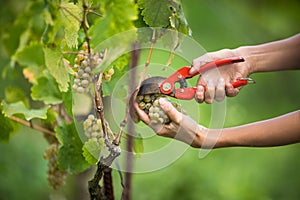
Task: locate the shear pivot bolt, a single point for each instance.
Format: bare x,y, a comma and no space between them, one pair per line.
166,86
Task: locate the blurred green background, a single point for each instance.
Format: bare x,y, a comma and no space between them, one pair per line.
233,173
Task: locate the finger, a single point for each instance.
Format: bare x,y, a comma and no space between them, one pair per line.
220,90
143,116
230,90
210,92
170,110
198,62
199,96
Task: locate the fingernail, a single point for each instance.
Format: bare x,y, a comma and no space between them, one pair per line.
162,101
200,88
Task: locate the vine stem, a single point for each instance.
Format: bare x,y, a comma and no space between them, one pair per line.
30,125
142,76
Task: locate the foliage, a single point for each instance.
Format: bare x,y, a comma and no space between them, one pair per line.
46,42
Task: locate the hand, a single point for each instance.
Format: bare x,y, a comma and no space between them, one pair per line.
182,127
217,82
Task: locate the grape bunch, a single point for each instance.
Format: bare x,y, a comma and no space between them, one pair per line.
56,177
93,128
150,104
107,74
84,64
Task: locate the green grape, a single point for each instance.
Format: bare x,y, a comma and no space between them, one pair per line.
56,177
84,64
150,104
93,127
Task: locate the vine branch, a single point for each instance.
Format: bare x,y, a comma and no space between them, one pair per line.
33,126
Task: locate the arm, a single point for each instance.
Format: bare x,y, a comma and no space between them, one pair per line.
273,56
278,131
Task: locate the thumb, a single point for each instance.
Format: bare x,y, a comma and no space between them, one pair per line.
170,110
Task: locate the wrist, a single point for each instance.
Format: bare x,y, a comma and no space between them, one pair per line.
251,58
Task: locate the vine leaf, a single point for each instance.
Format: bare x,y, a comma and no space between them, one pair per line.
164,13
91,150
30,55
156,13
70,15
46,90
57,68
7,127
70,156
118,17
20,108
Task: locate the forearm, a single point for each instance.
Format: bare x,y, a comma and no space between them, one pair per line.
278,131
273,56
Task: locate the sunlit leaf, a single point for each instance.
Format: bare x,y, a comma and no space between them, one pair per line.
20,108
70,15
91,150
57,68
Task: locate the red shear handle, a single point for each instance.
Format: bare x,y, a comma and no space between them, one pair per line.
218,63
189,93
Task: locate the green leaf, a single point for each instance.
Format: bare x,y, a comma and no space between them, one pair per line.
14,94
91,150
156,13
118,17
7,127
46,90
70,15
138,145
20,108
165,14
31,55
70,156
57,68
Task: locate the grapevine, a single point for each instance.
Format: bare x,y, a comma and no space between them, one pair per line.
56,177
61,56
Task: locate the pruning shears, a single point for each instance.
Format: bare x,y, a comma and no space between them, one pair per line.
166,86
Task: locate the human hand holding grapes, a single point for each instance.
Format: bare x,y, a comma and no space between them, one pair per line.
180,127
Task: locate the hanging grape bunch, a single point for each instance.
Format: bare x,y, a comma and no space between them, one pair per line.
56,177
93,128
84,64
150,104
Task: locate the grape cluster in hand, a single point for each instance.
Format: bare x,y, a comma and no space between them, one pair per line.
93,128
150,104
56,177
84,64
